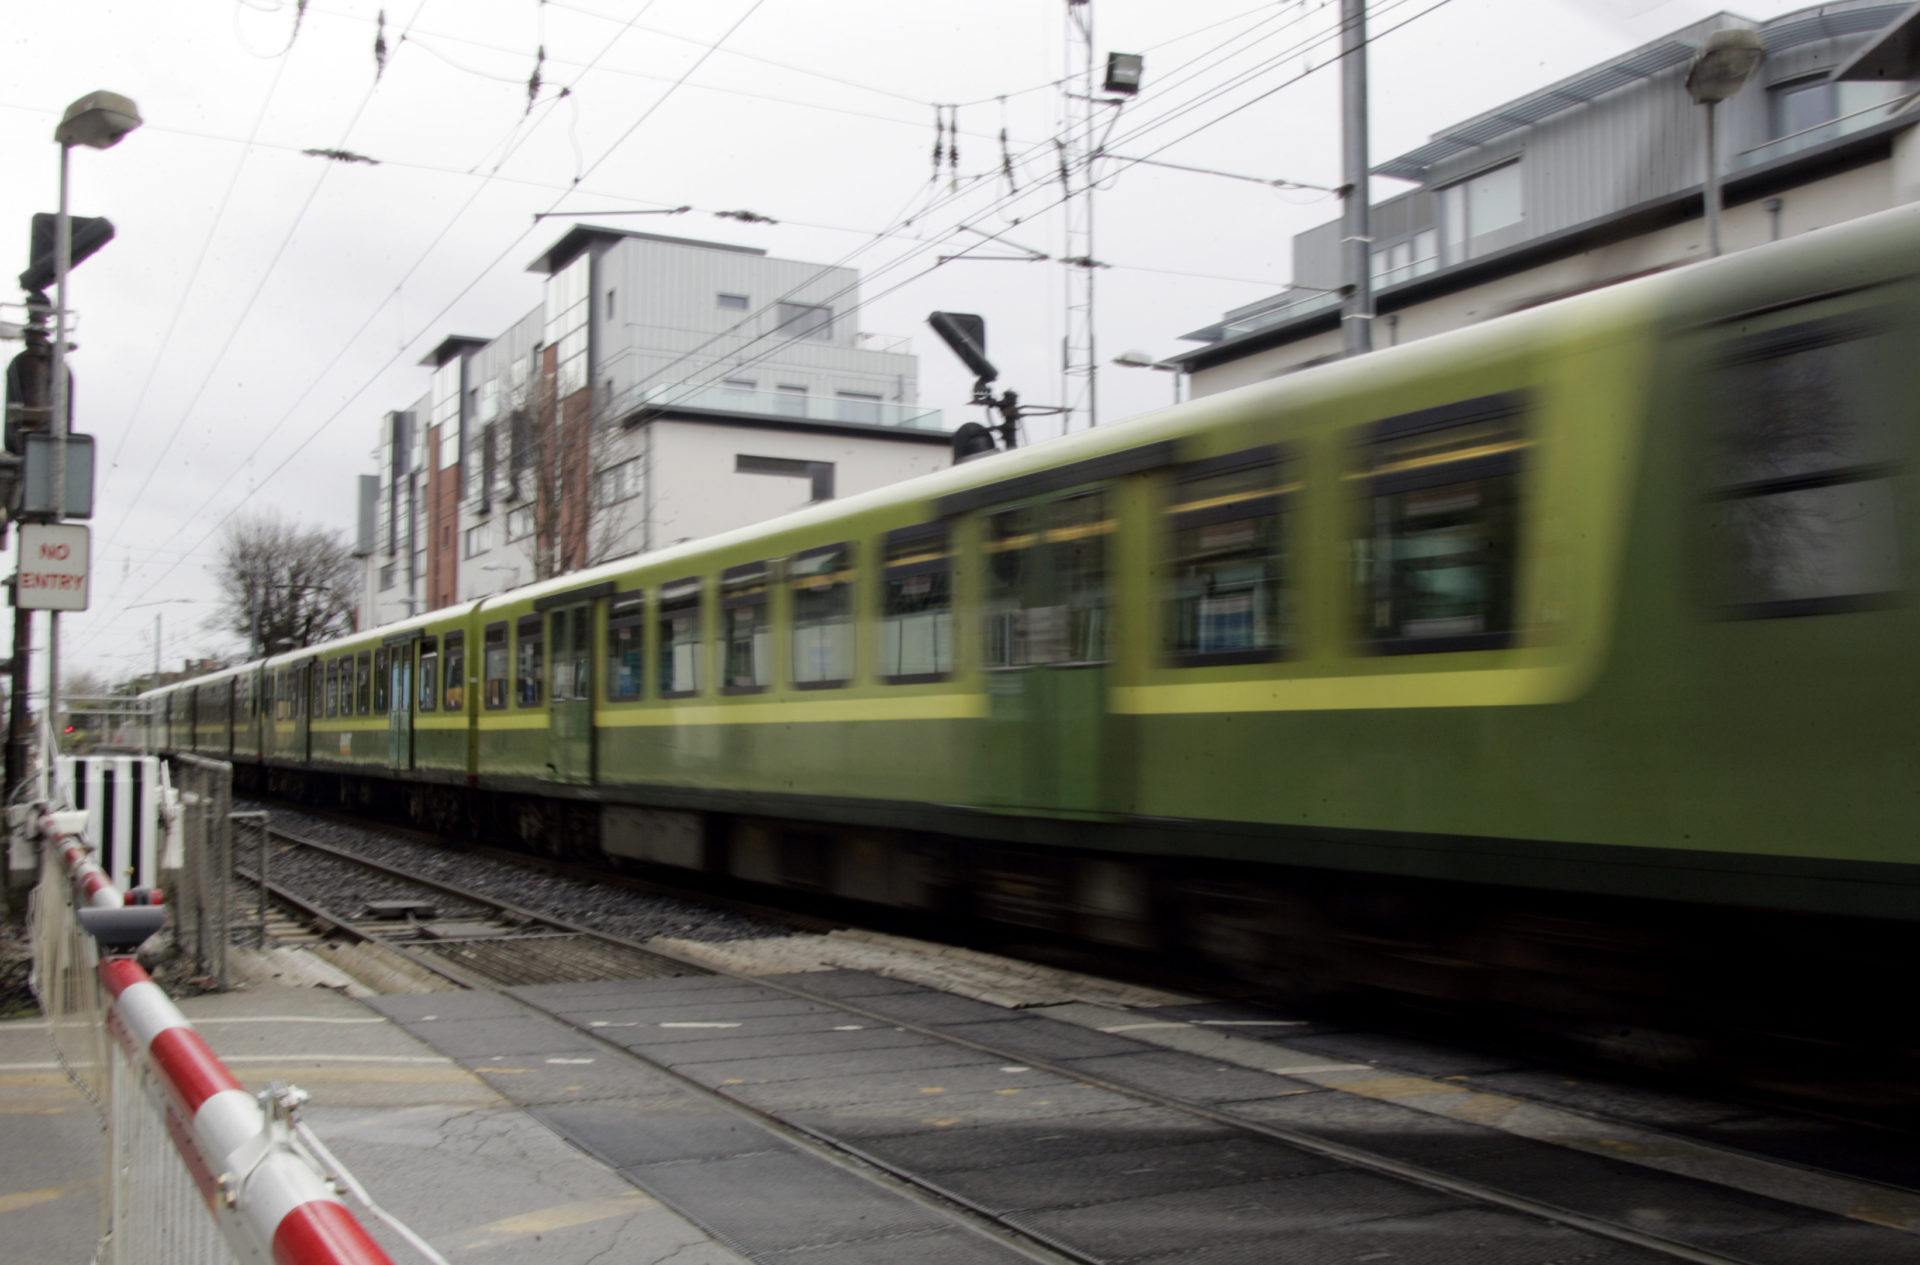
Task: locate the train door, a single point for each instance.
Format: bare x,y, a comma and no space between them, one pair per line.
310,681
570,696
1047,608
400,704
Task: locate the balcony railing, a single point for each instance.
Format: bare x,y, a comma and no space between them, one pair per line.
791,405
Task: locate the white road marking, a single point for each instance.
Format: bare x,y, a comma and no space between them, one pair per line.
699,1025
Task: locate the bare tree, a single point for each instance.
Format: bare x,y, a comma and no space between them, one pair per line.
285,586
567,470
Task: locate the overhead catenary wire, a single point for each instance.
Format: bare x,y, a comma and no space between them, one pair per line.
314,433
878,237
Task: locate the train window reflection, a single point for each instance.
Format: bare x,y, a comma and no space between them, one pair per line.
455,694
1226,600
1077,628
916,606
746,640
429,693
363,682
626,631
1437,556
822,582
1010,550
528,689
493,667
679,620
1801,514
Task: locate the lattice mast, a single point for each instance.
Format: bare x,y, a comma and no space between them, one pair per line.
1079,365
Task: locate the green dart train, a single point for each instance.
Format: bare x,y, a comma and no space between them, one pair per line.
1570,656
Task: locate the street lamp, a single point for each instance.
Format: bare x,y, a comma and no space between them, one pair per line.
98,120
1720,69
1141,360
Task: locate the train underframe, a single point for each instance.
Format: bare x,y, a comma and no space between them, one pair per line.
1693,988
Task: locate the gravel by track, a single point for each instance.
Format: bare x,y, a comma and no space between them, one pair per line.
616,911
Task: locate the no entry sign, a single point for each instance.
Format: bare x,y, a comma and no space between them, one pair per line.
53,567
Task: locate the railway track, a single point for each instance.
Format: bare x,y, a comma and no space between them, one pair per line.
466,937
654,1011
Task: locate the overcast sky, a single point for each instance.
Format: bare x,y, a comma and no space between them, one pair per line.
260,309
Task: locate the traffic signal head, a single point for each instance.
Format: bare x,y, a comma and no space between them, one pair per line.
87,233
966,334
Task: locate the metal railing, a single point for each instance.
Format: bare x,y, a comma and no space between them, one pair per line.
198,1170
202,894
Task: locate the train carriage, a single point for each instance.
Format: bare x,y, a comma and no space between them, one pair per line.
1610,599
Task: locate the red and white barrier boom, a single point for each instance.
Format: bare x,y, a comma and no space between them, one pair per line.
270,1199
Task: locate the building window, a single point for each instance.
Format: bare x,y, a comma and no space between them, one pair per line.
806,320
1800,516
478,539
609,302
444,410
626,638
530,664
1477,207
738,384
567,312
822,617
1437,558
1802,113
790,400
1227,521
746,638
916,606
520,523
493,667
679,620
617,483
386,577
1410,257
733,302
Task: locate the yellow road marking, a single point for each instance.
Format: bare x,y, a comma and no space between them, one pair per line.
1389,1088
44,1194
564,1216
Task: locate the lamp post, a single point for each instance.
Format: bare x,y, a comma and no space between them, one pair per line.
1720,69
1141,360
98,120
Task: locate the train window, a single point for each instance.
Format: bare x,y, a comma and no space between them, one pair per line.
454,696
1227,521
679,620
530,664
1011,542
315,673
582,656
572,642
429,688
744,633
1436,555
333,687
382,683
363,682
916,605
626,632
822,617
493,667
1800,509
1076,630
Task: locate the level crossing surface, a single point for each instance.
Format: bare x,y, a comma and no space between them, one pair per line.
448,1155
